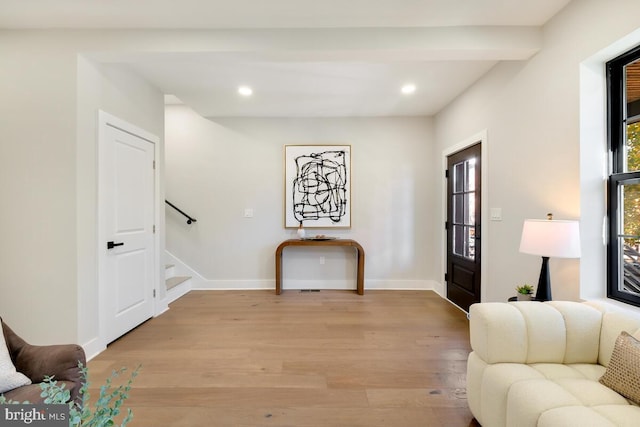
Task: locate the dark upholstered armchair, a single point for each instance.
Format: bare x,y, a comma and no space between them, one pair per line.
36,362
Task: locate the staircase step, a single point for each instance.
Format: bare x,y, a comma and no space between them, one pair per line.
172,282
169,271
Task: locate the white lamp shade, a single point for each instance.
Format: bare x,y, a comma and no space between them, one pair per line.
551,238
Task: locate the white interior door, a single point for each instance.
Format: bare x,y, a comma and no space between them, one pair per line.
129,200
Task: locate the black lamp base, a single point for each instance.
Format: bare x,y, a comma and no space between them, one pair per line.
543,292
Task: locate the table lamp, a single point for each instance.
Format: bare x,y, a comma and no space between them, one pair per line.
549,238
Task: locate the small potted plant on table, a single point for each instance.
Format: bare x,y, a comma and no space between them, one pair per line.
525,292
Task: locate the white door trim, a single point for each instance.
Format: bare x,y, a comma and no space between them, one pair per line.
480,137
106,120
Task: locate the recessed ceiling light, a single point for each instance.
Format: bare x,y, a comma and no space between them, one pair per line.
245,91
409,88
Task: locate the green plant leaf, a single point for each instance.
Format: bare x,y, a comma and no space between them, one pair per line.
107,406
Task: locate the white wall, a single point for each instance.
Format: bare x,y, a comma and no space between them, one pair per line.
217,168
48,267
125,95
531,111
38,177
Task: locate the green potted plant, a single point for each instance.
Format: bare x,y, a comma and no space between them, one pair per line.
525,292
102,412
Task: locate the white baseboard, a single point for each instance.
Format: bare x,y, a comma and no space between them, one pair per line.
439,288
271,284
198,282
316,284
161,307
93,348
230,285
399,285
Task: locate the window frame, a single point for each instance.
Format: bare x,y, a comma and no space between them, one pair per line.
616,139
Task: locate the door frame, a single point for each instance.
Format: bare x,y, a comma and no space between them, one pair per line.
106,120
480,137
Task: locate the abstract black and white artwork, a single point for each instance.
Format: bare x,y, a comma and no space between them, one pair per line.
317,185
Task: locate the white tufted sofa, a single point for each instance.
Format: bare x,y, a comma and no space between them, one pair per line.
538,364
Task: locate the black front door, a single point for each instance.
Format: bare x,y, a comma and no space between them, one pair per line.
463,227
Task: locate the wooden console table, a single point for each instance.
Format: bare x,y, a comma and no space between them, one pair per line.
334,242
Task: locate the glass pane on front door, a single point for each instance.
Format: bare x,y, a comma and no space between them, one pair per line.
470,185
464,209
458,177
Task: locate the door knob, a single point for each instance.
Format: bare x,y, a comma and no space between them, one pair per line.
111,245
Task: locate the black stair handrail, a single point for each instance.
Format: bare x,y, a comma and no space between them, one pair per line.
189,218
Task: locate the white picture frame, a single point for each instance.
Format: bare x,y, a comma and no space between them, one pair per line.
317,186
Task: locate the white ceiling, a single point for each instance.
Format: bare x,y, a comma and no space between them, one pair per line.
311,58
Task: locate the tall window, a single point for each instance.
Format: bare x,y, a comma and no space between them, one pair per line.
623,75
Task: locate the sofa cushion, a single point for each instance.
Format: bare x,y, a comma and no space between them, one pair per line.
583,324
590,371
591,393
498,332
546,332
623,372
595,416
574,416
622,416
9,377
475,374
530,332
527,400
497,380
614,320
553,371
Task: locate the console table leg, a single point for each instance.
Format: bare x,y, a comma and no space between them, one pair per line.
278,272
360,274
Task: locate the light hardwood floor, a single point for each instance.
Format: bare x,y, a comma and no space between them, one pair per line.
329,358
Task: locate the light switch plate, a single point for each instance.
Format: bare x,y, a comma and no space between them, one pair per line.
496,214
